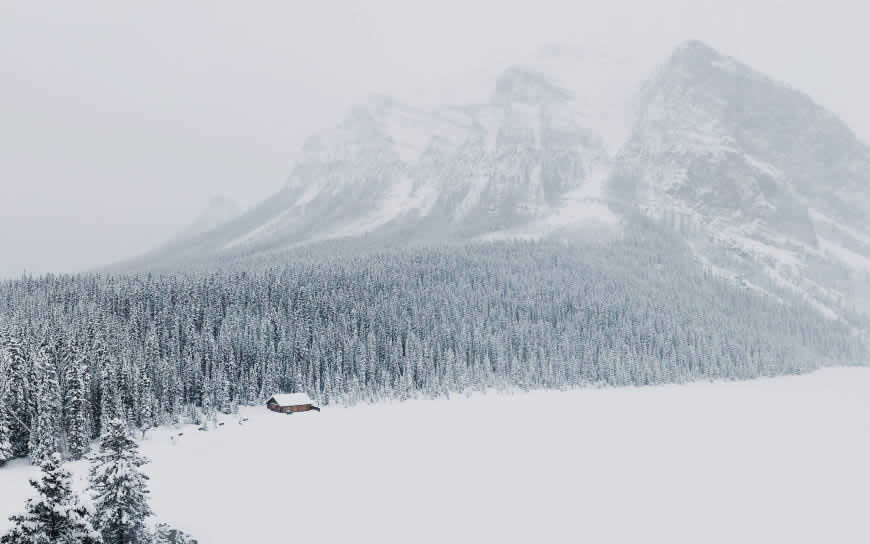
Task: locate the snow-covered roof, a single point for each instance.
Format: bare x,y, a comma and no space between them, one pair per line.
292,399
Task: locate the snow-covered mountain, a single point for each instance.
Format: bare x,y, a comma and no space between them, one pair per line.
768,188
524,159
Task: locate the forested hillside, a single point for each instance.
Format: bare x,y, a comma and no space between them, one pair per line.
78,351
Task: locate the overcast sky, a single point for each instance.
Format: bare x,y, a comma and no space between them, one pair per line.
120,120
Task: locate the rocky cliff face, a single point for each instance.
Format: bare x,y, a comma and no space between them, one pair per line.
766,184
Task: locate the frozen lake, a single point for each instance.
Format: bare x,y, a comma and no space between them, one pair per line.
773,460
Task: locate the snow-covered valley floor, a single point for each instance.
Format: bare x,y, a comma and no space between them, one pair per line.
774,460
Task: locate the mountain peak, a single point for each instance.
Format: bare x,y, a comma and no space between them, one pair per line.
696,48
697,57
527,86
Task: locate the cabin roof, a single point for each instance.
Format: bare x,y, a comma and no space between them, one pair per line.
292,399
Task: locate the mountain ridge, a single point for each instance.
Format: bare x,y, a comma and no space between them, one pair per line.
766,186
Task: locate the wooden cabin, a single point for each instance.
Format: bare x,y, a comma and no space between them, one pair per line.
288,403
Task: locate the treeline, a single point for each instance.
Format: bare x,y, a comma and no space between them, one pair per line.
77,351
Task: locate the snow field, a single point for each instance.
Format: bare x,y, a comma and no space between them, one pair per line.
773,460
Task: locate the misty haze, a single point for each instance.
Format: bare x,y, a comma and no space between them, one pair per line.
434,272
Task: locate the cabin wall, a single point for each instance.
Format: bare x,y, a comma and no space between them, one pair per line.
289,409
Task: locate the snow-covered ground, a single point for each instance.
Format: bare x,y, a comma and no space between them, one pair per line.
774,460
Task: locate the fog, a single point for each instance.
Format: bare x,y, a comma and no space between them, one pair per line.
119,122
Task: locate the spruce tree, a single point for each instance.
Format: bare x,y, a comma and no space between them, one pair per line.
5,443
16,394
76,406
54,516
206,403
108,392
119,487
146,401
167,535
46,433
5,433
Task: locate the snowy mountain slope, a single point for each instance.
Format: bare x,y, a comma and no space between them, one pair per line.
218,211
752,169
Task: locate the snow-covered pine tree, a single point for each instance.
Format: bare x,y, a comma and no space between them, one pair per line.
205,403
5,443
146,401
223,401
175,398
108,392
167,535
76,409
45,435
5,433
55,515
119,487
16,393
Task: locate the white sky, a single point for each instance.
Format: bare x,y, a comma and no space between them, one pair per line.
119,120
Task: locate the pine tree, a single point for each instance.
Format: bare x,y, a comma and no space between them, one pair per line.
5,443
5,432
146,403
76,406
205,402
175,394
108,393
54,516
45,434
119,488
17,388
167,535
